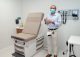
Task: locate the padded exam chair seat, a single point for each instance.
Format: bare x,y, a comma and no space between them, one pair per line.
24,37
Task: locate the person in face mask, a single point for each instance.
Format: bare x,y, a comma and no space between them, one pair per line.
52,11
53,21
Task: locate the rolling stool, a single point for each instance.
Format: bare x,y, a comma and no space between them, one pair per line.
65,52
71,50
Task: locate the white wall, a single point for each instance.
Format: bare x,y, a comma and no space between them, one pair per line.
70,28
9,11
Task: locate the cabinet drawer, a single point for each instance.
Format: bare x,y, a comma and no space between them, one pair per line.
19,52
19,42
20,47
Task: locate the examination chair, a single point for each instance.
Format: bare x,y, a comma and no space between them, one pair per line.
30,41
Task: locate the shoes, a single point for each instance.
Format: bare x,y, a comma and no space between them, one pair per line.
55,55
49,55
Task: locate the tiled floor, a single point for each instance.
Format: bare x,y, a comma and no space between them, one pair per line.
6,52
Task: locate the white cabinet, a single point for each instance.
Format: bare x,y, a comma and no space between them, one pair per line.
30,48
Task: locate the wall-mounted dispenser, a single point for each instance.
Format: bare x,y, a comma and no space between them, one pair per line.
75,14
18,22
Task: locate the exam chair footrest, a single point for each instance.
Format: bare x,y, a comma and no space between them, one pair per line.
17,55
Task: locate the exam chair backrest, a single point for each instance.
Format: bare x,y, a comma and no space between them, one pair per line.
33,23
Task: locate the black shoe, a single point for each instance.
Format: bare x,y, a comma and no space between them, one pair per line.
55,55
49,55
